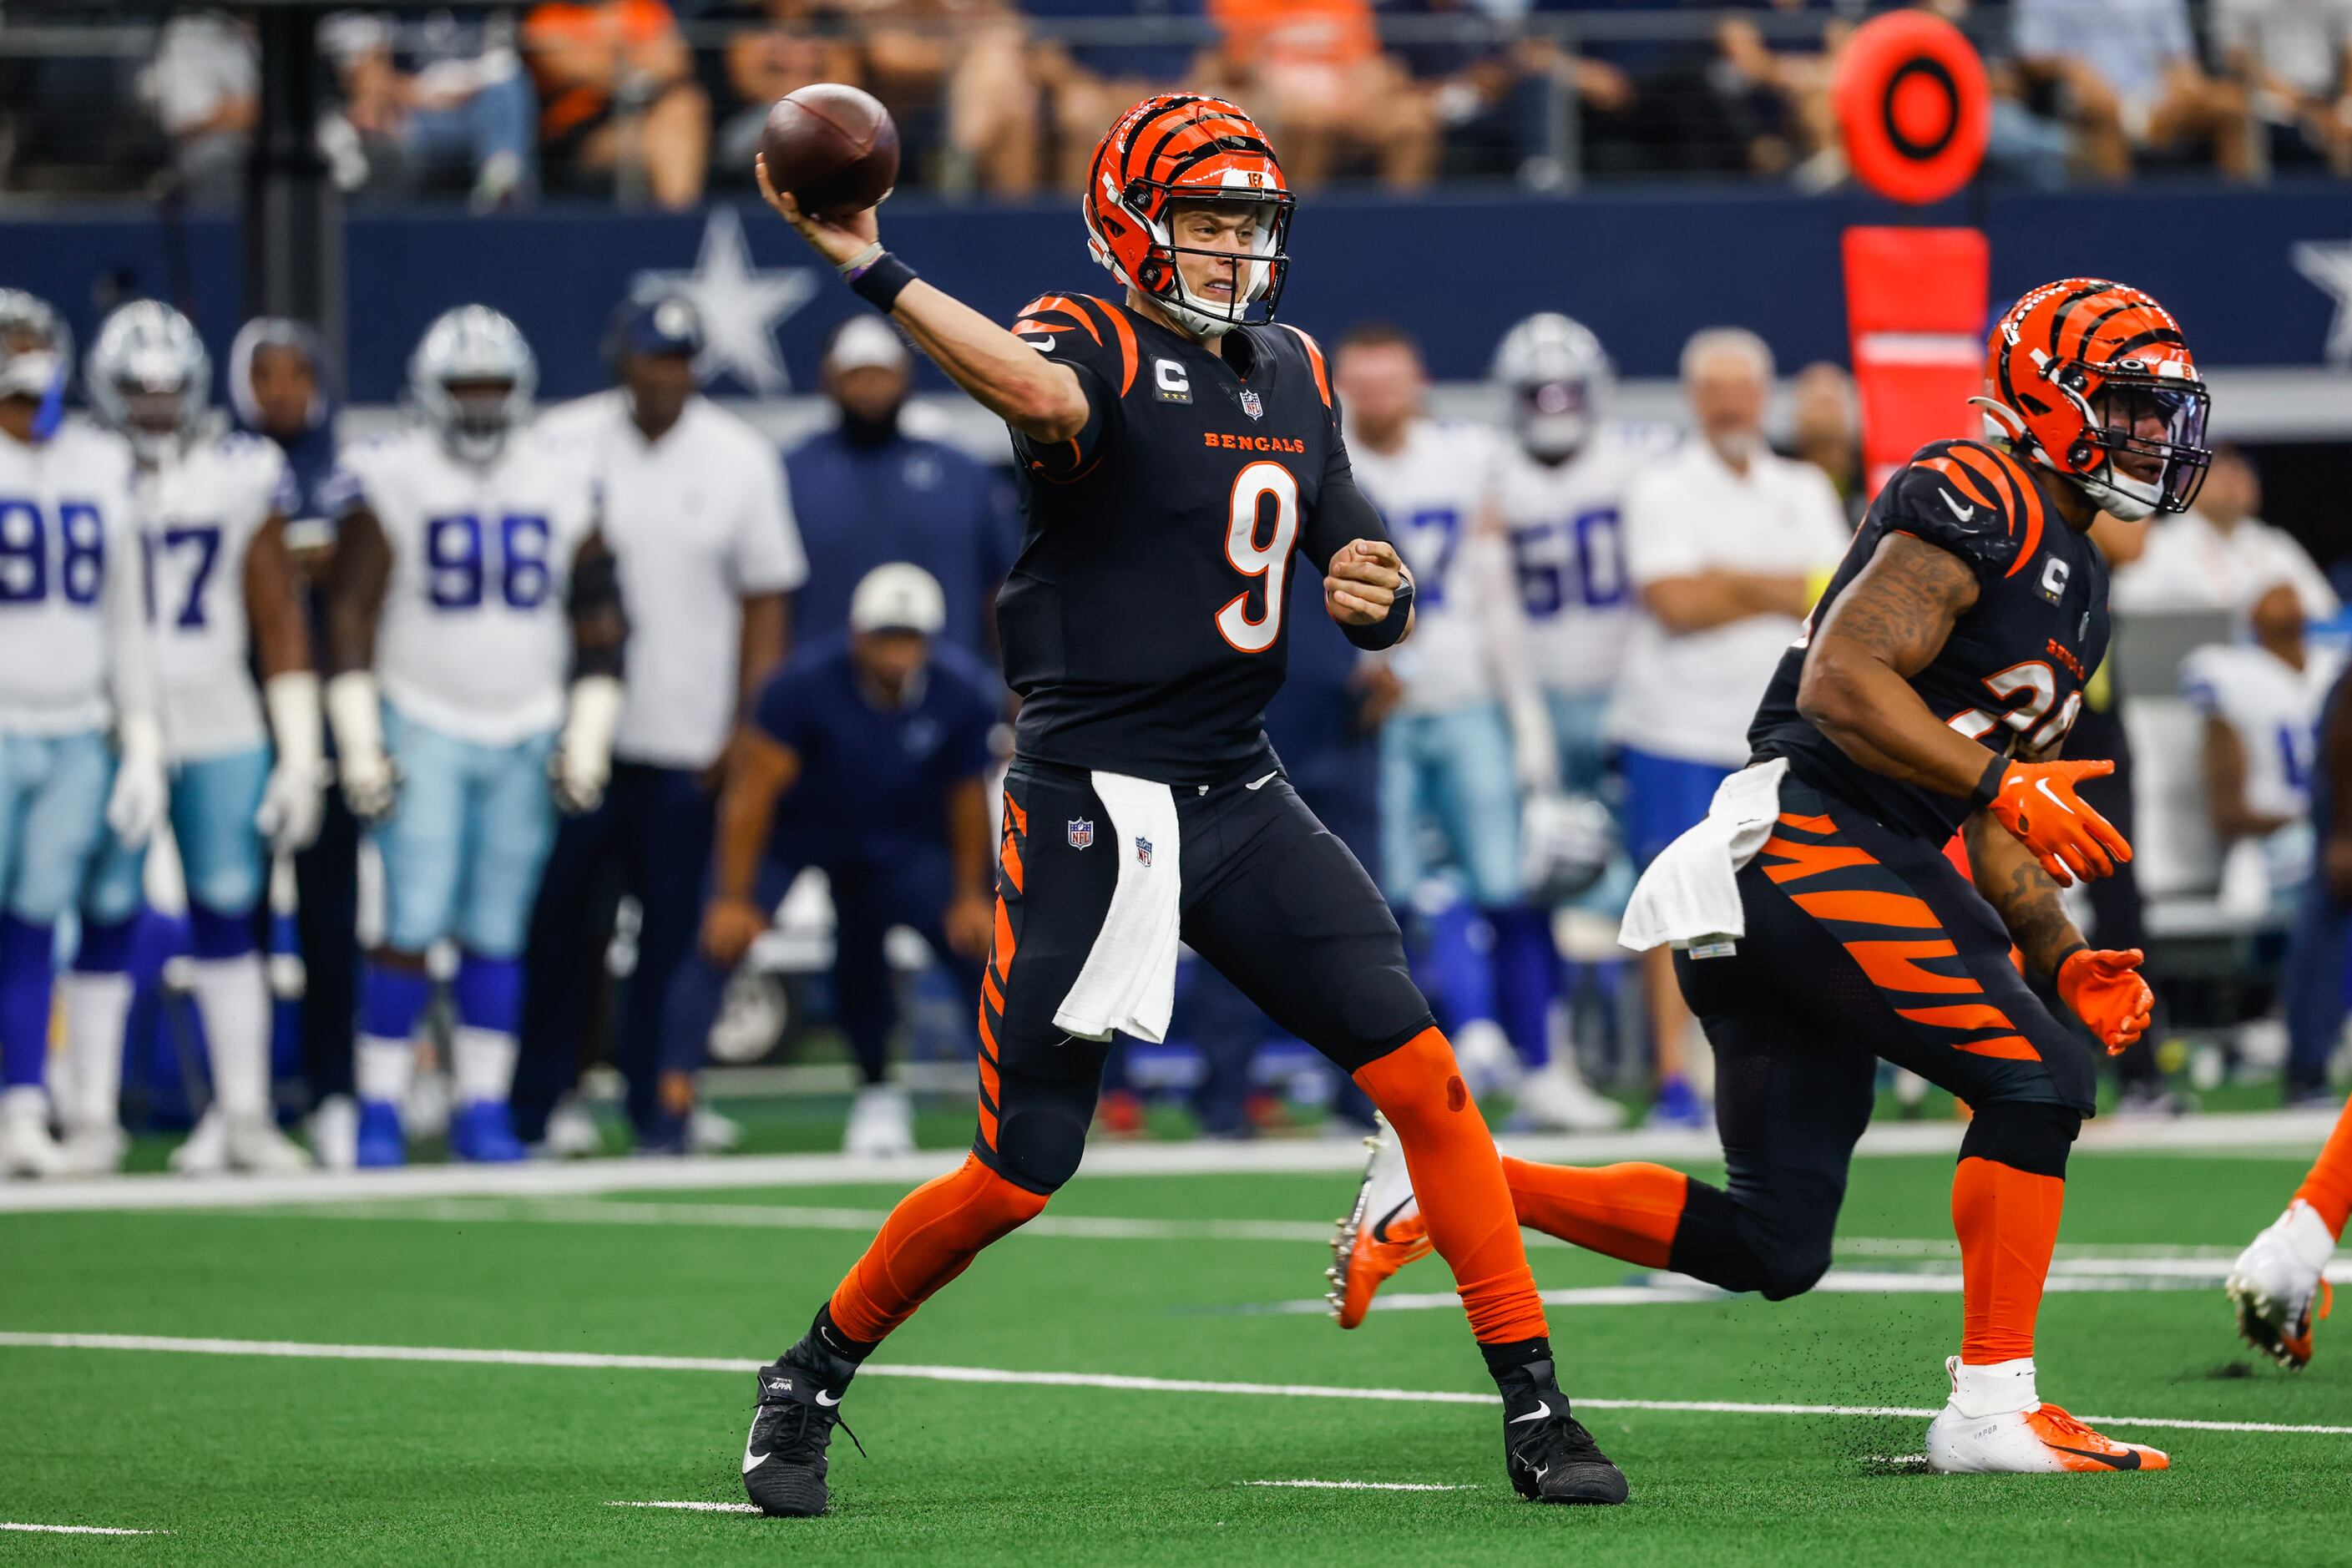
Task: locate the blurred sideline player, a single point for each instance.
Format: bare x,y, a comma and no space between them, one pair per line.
1560,493
1447,753
222,601
75,663
866,757
2278,1285
1727,543
1818,925
1175,456
695,514
468,582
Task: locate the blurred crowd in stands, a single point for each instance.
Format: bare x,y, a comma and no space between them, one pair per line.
655,102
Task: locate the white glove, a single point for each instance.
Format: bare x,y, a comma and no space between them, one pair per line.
371,782
142,793
291,803
1535,750
583,762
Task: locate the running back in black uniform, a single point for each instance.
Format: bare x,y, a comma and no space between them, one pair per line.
1863,939
1144,628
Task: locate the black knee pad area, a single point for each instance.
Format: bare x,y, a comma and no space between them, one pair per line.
2033,1138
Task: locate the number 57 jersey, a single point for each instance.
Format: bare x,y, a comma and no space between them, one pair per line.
474,640
2010,674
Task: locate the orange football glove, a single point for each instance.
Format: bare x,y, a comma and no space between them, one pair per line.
2105,991
2037,803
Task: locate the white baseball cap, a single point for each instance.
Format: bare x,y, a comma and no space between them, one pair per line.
898,596
865,341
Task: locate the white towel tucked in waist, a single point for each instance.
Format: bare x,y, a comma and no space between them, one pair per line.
1128,981
1691,891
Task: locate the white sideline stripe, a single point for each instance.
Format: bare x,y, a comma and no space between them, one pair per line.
304,1351
1370,1486
2272,1134
693,1507
79,1529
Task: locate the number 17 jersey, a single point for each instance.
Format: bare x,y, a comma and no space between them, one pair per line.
1143,623
474,640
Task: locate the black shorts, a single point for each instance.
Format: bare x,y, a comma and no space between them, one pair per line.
1865,942
1272,900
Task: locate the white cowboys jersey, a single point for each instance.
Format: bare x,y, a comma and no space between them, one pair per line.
474,640
198,513
1563,522
69,554
1432,492
2274,709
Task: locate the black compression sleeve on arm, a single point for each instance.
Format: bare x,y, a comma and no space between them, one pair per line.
599,626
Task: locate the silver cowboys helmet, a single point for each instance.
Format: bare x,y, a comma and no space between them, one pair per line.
149,377
1558,379
1566,845
472,379
36,348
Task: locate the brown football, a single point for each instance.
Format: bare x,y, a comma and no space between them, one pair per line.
833,148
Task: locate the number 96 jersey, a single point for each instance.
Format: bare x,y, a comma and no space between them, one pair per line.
2011,672
1143,623
474,639
196,516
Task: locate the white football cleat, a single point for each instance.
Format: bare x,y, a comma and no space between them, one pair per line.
334,1129
26,1147
204,1153
572,1133
2276,1281
1556,1098
709,1132
1382,1233
94,1148
255,1144
881,1124
1966,1439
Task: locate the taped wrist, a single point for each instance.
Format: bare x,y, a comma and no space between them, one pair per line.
1389,629
878,280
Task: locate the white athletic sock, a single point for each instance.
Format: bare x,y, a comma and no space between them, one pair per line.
1995,1388
383,1070
233,999
96,1007
482,1064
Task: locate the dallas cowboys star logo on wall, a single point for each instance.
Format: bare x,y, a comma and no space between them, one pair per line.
741,304
2328,265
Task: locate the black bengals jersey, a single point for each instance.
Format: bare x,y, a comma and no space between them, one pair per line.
1144,621
2011,673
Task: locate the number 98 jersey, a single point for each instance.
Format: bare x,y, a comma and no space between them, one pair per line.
65,515
197,517
1143,623
474,639
2011,672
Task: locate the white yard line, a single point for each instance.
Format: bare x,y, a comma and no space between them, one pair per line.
692,1507
1368,1486
79,1529
2285,1135
304,1351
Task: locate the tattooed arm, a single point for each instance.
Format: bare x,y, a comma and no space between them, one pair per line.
1889,623
2021,892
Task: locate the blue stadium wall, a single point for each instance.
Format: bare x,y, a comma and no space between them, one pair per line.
2242,269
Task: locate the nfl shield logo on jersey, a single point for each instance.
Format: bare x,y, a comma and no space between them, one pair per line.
1082,833
1252,407
1142,850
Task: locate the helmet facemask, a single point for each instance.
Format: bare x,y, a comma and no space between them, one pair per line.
1258,273
2142,449
1554,419
475,416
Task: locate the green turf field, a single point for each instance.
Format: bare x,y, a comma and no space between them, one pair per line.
253,1459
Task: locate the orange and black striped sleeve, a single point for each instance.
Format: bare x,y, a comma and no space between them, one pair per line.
1097,340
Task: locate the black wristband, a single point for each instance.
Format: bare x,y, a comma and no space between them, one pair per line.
1988,781
881,280
1389,630
2060,963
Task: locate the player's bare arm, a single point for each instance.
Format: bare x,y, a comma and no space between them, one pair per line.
970,919
273,603
1890,622
2028,901
760,652
1039,399
358,575
2225,786
759,774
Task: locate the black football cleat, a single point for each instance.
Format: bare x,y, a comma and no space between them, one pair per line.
783,1459
1551,1457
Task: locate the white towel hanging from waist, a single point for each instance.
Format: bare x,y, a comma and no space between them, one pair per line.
1128,981
1691,891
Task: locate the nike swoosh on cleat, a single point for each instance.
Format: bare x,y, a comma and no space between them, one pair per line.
1381,1230
1538,1414
828,1402
2126,1460
751,1461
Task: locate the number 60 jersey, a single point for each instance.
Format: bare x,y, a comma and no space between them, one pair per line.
474,640
1144,621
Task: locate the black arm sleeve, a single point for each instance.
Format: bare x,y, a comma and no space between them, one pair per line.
600,628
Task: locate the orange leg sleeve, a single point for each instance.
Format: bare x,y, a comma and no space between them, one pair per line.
1623,1211
1458,1178
2007,1225
929,1239
2328,1188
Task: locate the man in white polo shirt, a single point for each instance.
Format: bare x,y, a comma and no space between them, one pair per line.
1728,544
694,510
